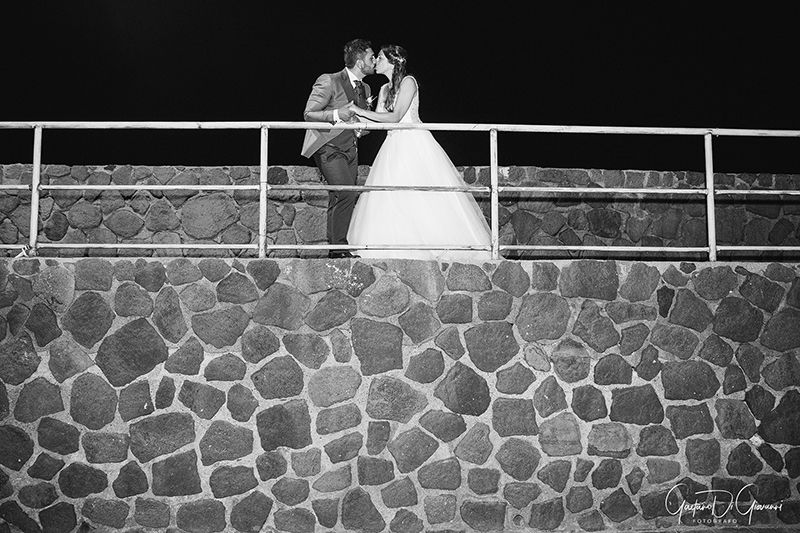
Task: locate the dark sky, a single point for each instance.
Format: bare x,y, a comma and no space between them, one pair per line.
576,63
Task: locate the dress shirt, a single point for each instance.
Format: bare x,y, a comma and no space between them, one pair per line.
353,79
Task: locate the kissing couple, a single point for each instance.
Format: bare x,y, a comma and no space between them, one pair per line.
404,224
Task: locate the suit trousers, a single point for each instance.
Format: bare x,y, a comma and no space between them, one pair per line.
339,166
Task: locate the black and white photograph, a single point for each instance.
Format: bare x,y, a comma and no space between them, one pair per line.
399,267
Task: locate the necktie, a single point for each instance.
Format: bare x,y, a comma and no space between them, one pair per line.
361,95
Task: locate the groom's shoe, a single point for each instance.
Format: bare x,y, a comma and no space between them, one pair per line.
340,254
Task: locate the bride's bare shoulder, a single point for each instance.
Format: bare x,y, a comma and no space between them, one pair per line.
409,85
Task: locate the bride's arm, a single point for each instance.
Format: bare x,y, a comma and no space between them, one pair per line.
408,88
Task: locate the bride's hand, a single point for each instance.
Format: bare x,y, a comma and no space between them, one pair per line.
357,110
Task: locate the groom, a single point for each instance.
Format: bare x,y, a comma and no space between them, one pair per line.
335,152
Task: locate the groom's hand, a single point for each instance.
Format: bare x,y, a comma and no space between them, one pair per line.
346,113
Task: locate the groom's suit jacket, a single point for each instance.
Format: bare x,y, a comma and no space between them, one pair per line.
330,91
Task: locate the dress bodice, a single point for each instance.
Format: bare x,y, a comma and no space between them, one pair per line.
412,114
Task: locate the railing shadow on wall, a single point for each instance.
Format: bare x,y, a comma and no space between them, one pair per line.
710,193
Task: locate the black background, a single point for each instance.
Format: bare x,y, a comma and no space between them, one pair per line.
576,63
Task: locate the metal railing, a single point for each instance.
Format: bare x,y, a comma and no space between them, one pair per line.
710,193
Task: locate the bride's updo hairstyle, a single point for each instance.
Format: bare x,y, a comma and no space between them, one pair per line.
397,56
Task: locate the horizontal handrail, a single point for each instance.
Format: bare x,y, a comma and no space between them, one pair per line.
602,190
148,187
729,192
437,126
257,187
380,247
543,247
426,188
709,191
745,248
147,245
321,187
254,246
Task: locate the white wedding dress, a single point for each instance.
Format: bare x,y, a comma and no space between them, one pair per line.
428,218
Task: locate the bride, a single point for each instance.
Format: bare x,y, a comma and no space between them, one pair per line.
413,157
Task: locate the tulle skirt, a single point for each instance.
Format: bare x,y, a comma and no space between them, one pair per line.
430,218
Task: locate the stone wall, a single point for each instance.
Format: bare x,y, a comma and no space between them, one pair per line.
294,217
305,395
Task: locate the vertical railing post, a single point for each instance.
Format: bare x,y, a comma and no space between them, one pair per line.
262,195
35,180
495,197
710,200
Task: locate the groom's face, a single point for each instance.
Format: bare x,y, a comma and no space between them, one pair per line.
367,63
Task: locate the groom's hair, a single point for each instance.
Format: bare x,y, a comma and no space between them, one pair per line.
355,50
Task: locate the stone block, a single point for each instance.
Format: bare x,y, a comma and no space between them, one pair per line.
360,513
131,481
463,391
542,316
393,399
636,405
